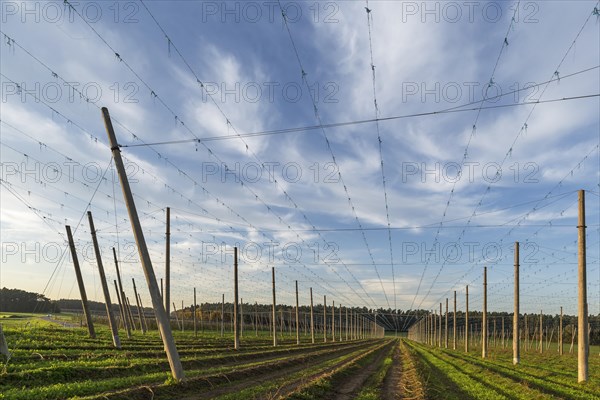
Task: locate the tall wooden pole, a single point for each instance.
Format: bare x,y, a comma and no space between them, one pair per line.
84,300
274,310
333,320
446,327
560,333
297,317
236,317
346,323
484,330
222,314
454,324
541,332
440,324
121,295
120,304
340,323
325,318
516,335
111,319
167,297
312,318
143,313
195,311
157,304
582,314
467,319
241,317
137,302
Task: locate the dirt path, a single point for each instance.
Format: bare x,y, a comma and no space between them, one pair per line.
351,385
391,389
402,380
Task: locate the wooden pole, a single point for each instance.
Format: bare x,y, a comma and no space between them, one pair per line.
440,329
526,331
223,314
312,318
560,333
176,316
582,315
446,327
454,324
541,332
516,333
84,300
137,302
274,310
484,332
236,317
129,312
161,315
121,295
467,319
503,332
333,321
256,318
346,323
143,313
340,322
241,317
120,304
325,318
195,323
111,319
297,317
167,297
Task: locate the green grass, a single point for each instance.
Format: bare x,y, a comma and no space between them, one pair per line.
539,376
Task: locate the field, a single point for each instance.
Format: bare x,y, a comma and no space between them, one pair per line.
53,359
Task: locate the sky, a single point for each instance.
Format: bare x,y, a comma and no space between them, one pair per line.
382,153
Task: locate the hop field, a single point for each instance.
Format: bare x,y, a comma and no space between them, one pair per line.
51,361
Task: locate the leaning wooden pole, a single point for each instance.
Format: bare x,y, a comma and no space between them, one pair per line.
111,319
582,315
137,302
274,322
516,335
143,313
121,295
84,300
484,332
157,304
236,317
120,304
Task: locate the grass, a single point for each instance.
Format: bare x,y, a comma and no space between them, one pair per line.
456,375
50,361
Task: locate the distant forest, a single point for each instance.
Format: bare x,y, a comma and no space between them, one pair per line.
16,300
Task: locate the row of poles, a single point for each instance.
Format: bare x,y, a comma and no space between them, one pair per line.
357,326
353,326
428,329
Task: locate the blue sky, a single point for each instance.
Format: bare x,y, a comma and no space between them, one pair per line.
427,57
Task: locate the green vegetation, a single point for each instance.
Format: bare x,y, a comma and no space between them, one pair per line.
52,361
